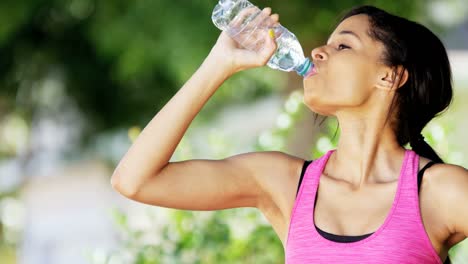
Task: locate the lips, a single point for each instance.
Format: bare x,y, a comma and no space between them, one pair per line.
312,72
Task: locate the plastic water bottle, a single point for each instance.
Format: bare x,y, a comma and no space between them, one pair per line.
288,56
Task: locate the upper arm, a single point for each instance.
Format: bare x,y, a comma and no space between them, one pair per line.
452,185
238,181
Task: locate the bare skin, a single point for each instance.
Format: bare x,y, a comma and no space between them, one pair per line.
362,173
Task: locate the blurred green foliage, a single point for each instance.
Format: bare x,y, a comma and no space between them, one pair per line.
121,61
193,238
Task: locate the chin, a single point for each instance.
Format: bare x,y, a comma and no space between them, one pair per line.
318,107
321,112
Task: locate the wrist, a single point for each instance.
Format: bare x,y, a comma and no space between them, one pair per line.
220,63
213,71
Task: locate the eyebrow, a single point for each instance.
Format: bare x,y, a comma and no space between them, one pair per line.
344,32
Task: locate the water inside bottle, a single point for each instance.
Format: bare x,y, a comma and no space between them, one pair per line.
289,55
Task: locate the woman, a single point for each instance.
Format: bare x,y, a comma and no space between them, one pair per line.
384,78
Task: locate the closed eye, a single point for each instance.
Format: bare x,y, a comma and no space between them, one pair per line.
343,46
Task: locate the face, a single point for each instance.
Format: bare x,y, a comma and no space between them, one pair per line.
349,69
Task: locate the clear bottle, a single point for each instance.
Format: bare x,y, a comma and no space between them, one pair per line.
288,56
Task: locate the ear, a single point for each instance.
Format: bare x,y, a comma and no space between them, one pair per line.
392,78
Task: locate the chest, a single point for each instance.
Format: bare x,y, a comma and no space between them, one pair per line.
343,212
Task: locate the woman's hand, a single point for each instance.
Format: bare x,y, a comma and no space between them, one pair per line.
256,49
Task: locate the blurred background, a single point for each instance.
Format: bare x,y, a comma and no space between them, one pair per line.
79,79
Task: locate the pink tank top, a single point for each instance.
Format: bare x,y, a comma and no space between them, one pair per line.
400,239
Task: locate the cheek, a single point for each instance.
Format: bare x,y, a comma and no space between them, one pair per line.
350,83
341,85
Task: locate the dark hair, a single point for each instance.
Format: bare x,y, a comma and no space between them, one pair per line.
428,89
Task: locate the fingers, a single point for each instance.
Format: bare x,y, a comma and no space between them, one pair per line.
266,50
267,10
251,31
263,35
274,17
261,18
245,15
252,17
250,27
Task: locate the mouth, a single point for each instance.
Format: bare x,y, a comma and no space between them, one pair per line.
311,72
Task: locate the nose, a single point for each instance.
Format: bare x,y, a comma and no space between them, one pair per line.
319,54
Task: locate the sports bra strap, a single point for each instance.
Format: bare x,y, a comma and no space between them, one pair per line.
304,167
421,173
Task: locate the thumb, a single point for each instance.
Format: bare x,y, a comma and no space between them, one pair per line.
269,47
261,57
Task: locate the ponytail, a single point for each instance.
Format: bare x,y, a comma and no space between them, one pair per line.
422,148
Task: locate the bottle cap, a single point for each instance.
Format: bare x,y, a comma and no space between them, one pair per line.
305,67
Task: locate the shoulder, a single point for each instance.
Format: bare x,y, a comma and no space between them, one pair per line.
450,177
277,175
270,168
276,167
448,184
267,164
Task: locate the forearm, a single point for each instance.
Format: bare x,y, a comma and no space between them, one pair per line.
156,144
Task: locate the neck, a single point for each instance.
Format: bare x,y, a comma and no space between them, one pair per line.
367,152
